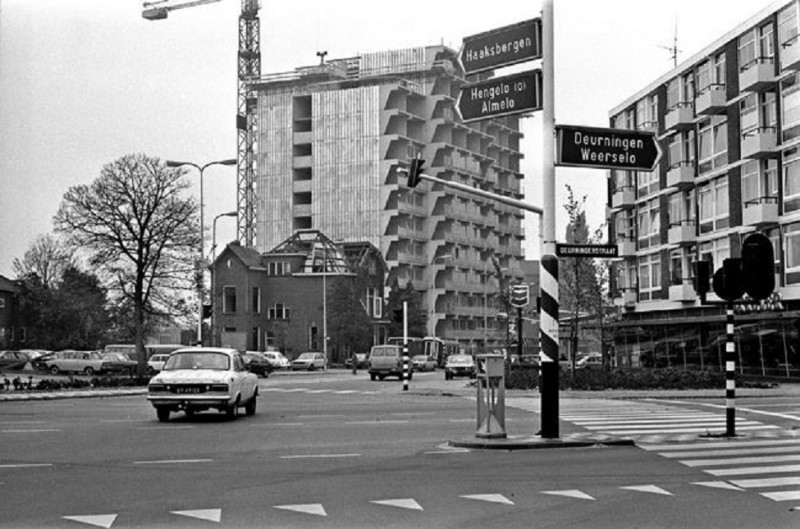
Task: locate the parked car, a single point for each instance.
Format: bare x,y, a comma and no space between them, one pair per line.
590,361
309,362
459,366
13,360
257,363
89,363
201,378
362,361
40,362
423,363
119,363
156,363
387,361
277,359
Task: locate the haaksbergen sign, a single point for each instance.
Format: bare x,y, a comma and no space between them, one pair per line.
600,148
501,96
504,46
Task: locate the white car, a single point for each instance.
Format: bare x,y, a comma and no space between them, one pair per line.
277,359
423,363
201,378
156,362
309,362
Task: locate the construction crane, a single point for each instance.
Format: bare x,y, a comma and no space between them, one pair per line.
249,68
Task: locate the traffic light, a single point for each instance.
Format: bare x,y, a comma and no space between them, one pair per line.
519,295
728,281
414,171
758,266
702,278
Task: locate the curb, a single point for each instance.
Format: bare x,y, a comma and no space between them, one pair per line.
78,394
536,442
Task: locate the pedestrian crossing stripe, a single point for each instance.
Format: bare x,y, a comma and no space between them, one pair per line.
310,508
212,515
653,489
404,503
569,494
718,485
97,520
492,498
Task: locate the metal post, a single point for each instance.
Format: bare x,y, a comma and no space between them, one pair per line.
405,346
519,333
549,263
730,373
325,301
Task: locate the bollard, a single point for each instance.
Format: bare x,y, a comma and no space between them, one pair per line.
491,387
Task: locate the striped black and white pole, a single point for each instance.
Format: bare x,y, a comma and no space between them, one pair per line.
405,346
548,355
730,373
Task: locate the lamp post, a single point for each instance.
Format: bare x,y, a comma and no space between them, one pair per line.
201,169
213,258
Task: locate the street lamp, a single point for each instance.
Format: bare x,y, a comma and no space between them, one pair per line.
174,163
213,258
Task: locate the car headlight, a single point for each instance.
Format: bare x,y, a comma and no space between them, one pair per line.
156,387
218,387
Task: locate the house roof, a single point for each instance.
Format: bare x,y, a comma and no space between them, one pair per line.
8,285
250,257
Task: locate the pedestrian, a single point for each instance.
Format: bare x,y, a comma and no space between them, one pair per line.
354,360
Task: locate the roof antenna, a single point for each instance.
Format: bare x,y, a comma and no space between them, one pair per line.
321,55
674,51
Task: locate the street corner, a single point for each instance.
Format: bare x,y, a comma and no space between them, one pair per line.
532,442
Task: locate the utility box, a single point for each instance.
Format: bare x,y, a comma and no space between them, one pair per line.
491,387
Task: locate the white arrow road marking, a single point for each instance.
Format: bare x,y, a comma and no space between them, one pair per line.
212,515
648,488
717,485
98,520
492,498
574,493
405,503
309,508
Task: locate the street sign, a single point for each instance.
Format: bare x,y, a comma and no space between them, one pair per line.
502,46
599,148
502,96
586,250
520,295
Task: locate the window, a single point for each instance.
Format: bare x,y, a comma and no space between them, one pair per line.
2,302
255,336
765,46
791,180
703,76
374,303
624,225
687,88
673,94
681,149
757,112
649,277
715,252
649,224
228,300
713,197
747,50
718,72
278,312
681,208
256,307
712,140
790,107
759,182
791,245
787,27
279,268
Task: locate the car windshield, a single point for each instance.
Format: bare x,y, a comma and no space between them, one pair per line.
306,356
459,360
197,361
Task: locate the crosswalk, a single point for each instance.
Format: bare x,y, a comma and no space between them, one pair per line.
315,391
767,466
643,421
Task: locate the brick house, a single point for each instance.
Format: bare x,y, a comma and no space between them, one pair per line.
9,335
275,299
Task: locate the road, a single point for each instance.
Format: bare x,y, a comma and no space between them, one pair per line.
336,450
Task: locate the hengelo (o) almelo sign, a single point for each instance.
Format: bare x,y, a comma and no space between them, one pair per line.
501,96
502,46
600,148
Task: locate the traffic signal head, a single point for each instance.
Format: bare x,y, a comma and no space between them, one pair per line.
758,266
414,170
519,295
728,281
702,278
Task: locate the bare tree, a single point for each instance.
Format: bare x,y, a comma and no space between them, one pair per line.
139,228
47,258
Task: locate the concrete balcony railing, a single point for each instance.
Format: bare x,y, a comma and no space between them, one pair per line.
623,197
759,142
682,233
760,211
625,297
681,175
711,100
757,75
680,117
626,247
683,291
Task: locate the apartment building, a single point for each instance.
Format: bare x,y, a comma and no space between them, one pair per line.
728,122
330,140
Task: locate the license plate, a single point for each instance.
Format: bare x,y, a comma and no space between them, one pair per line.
187,390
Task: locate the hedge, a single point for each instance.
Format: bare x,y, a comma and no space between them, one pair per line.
593,379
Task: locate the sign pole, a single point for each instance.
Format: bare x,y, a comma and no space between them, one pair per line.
549,262
405,346
730,372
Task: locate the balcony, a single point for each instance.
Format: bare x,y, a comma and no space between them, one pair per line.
626,247
759,142
790,54
626,297
760,211
684,291
623,197
757,75
679,117
681,175
682,233
711,100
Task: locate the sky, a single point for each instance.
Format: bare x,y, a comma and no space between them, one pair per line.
84,82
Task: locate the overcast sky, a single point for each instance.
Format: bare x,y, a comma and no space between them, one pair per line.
84,82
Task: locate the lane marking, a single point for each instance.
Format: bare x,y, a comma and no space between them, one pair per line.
98,520
320,416
739,460
319,456
718,485
574,493
782,496
753,470
26,465
724,444
491,498
277,424
165,428
17,423
172,461
766,482
403,503
308,508
740,409
212,515
36,430
732,452
689,430
648,488
378,422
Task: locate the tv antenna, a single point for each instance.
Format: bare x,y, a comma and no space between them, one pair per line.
674,51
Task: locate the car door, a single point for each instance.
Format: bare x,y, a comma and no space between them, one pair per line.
241,377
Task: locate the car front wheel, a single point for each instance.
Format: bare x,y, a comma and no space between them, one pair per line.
88,371
250,407
162,413
53,370
232,411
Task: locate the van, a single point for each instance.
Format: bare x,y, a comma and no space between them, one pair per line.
387,360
